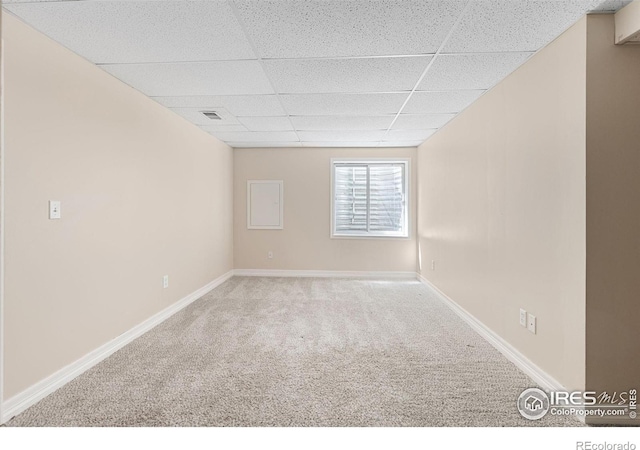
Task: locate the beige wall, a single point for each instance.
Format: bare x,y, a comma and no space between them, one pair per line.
305,242
613,210
502,207
1,223
143,192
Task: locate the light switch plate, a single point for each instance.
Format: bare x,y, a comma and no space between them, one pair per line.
54,209
523,317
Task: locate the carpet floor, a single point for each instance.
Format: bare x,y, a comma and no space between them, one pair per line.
300,352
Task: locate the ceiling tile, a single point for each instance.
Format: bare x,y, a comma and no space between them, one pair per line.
202,78
238,105
408,135
196,116
293,29
453,72
337,104
401,143
132,31
440,102
351,80
421,121
342,122
364,144
346,75
341,136
213,129
609,5
266,123
514,25
257,137
4,2
275,144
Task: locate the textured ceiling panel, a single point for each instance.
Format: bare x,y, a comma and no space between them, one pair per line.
346,75
362,144
401,143
440,102
342,104
408,135
341,136
260,136
513,25
4,2
450,72
266,123
126,31
196,116
609,5
293,29
421,121
275,144
213,129
342,69
342,122
238,105
203,78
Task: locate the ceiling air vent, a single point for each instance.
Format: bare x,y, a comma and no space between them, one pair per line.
212,115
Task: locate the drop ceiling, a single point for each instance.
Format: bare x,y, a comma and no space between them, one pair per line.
321,73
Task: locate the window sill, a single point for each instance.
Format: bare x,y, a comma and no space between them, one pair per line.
347,236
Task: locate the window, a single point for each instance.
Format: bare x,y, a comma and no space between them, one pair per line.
369,198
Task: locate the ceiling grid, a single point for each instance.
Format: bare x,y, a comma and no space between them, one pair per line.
257,53
424,73
309,73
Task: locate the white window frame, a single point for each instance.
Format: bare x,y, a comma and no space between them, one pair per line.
406,233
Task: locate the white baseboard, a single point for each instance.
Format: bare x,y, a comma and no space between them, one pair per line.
323,274
38,391
18,403
534,372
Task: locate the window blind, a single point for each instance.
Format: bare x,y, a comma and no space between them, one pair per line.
369,198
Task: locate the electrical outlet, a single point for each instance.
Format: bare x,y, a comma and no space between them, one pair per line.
531,323
523,317
165,281
433,264
270,254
